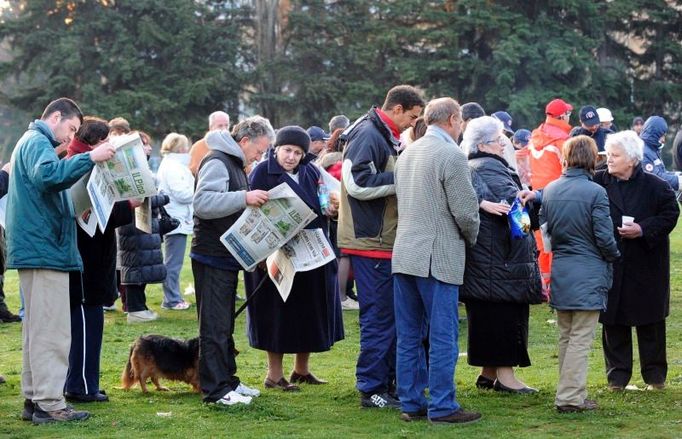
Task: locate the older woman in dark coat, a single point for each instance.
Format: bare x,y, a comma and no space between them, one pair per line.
640,294
93,287
310,320
501,277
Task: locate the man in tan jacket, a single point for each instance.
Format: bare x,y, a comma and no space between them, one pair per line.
437,219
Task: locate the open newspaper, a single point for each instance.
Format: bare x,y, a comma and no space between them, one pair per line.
260,232
123,177
306,251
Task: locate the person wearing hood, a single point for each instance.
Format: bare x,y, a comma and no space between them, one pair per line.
653,135
310,320
176,180
221,195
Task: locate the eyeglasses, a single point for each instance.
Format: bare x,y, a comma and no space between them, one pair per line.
499,140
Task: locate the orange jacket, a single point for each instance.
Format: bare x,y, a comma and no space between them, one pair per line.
197,154
545,147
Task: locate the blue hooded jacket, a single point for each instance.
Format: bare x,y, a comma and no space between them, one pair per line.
41,224
654,128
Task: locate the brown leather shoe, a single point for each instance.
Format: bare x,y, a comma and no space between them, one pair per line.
419,415
461,416
282,384
588,404
307,379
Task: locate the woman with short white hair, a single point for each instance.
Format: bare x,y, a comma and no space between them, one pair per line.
644,212
501,276
176,181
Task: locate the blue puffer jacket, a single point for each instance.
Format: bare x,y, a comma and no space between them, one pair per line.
41,225
654,128
139,253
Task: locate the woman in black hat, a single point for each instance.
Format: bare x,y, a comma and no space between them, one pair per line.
310,320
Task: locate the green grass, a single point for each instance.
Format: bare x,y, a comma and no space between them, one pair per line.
333,410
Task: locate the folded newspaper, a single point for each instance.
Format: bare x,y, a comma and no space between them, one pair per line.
274,232
123,177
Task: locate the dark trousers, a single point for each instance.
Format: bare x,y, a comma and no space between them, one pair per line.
87,326
215,294
617,341
135,297
375,371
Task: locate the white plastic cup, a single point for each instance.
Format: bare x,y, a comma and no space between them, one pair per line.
627,219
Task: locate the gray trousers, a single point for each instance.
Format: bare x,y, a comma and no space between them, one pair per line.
46,335
173,257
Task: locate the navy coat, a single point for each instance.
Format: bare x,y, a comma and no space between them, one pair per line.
310,320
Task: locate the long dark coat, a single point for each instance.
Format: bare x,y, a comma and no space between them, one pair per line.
310,320
499,268
640,294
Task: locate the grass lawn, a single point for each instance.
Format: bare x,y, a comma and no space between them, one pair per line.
333,410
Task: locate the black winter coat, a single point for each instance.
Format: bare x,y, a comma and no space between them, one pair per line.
640,294
139,253
96,285
499,268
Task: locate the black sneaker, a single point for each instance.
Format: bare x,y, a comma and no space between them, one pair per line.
380,401
29,408
40,416
7,317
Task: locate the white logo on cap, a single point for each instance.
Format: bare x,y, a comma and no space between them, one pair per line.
589,115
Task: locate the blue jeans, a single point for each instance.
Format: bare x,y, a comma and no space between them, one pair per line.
418,299
375,369
173,257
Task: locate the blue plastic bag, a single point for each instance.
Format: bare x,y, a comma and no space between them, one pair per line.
519,220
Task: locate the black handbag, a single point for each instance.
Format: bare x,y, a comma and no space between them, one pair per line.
166,222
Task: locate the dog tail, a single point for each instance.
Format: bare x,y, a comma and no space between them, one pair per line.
128,376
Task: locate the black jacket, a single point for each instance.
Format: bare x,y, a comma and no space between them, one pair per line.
139,253
96,285
640,294
499,268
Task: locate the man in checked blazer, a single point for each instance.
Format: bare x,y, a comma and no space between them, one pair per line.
437,219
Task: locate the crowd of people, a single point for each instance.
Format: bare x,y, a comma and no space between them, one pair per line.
425,219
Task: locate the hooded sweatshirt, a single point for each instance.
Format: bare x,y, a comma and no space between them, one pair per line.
219,199
654,128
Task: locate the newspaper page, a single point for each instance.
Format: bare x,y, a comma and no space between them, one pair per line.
306,251
260,231
88,222
123,177
143,216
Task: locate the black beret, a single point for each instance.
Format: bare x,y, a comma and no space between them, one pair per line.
293,135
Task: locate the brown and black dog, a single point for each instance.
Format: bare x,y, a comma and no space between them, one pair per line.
156,356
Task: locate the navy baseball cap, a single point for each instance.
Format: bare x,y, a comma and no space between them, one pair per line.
589,116
317,133
522,136
506,120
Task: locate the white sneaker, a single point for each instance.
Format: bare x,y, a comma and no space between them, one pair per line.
232,398
245,390
180,306
109,308
142,316
349,304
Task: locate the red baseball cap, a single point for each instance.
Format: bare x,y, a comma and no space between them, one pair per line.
557,107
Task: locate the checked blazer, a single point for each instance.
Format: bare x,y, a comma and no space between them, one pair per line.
437,209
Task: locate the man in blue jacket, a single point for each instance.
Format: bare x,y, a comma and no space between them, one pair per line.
368,218
41,245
